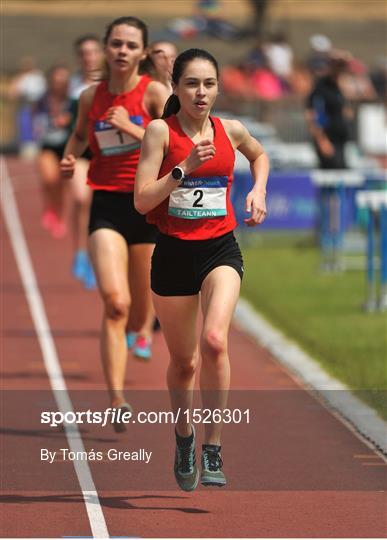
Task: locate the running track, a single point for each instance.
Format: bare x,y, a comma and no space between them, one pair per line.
310,475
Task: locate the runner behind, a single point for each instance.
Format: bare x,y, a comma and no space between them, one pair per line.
52,125
89,54
111,119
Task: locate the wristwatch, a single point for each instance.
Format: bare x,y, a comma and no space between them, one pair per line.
178,174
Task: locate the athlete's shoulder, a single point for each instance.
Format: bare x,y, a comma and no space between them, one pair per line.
234,128
156,88
87,96
157,128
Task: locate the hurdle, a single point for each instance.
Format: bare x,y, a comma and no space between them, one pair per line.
376,204
332,185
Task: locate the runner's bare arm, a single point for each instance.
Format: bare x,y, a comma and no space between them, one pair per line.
78,140
259,166
149,192
154,100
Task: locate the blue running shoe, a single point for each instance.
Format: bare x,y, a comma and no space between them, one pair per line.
89,280
80,265
130,339
142,348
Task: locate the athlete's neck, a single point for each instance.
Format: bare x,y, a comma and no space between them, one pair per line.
165,79
90,77
119,84
194,126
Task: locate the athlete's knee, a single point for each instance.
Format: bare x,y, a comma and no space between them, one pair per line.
116,306
213,342
184,366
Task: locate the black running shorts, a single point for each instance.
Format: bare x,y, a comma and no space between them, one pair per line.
57,150
115,210
180,266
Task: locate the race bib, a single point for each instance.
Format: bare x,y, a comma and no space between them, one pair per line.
198,198
112,141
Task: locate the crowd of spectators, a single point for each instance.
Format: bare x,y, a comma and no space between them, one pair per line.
271,72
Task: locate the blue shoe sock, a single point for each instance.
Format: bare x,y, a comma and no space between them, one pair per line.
130,339
89,280
80,263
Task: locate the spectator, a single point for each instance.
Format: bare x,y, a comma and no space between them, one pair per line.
301,80
256,56
27,87
279,55
29,84
355,82
318,58
266,85
379,77
235,81
327,114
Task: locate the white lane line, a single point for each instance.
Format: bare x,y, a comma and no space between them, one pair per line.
356,415
47,345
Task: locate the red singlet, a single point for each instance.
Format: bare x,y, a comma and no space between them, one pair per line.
115,154
200,207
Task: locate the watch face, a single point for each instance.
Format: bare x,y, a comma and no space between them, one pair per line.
177,173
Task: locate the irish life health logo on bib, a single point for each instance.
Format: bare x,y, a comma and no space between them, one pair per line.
198,198
112,141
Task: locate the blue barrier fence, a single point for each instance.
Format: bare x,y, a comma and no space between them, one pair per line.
292,201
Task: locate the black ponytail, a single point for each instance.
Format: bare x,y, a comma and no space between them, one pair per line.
172,106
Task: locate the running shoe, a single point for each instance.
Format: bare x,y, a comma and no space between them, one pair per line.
130,339
185,469
120,427
89,280
142,348
58,228
47,219
80,263
212,474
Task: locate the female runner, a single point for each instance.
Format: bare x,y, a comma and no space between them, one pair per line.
112,117
52,123
183,183
89,54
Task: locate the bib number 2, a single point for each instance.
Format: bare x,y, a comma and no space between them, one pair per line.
198,198
197,203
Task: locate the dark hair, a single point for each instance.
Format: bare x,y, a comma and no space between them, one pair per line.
86,37
172,105
56,67
147,66
129,21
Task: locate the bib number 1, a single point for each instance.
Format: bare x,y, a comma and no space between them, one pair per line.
112,141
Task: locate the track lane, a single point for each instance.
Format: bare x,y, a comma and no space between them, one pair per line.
74,317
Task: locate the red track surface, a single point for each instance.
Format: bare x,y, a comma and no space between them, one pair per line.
333,481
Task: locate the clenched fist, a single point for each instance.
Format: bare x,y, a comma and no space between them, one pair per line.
67,166
200,153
